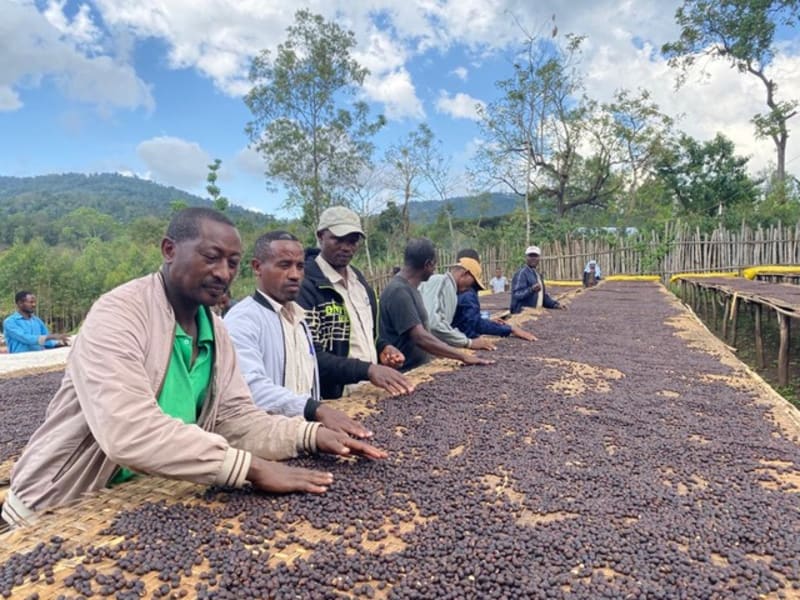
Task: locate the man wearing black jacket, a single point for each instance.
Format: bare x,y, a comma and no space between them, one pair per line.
342,312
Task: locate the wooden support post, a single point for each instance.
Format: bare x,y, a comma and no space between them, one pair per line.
734,321
783,351
713,310
706,309
725,319
759,340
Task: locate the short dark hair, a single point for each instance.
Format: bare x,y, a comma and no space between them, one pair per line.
418,252
468,253
262,250
20,296
185,225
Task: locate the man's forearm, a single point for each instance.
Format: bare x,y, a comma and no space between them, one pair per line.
432,345
341,369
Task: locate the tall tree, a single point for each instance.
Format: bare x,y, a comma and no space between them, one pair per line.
438,173
642,130
220,201
741,32
545,138
311,143
406,166
706,178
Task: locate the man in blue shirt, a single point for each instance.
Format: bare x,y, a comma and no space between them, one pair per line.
469,321
25,332
527,286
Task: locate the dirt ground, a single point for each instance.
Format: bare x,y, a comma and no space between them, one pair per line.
626,454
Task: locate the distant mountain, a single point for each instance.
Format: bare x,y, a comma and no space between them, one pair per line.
50,197
465,207
124,198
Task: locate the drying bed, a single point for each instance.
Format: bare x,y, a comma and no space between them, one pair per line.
23,401
626,454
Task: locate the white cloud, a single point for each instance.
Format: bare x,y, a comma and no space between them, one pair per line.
33,49
461,72
396,91
250,161
9,99
175,161
381,54
219,38
719,100
80,29
134,174
459,106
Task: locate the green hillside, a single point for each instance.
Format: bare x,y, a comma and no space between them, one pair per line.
465,207
28,202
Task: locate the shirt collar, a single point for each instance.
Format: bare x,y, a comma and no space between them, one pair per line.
205,330
332,274
291,309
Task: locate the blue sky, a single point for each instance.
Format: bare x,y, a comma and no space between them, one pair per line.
155,88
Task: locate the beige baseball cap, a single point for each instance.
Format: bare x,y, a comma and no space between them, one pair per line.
533,250
474,268
340,221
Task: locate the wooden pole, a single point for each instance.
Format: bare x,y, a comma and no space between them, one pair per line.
714,309
734,321
725,319
783,351
706,310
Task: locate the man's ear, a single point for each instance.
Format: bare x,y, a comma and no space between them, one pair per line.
168,249
255,264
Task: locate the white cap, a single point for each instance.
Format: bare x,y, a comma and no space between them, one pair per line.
533,250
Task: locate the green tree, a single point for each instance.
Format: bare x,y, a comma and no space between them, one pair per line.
220,202
642,130
311,143
83,224
407,166
706,178
741,32
539,127
177,206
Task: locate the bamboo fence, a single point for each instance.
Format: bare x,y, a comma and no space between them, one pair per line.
675,249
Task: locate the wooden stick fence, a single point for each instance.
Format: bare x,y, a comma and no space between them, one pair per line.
675,249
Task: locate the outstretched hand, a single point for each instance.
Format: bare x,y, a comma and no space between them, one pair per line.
482,343
390,380
61,338
522,334
469,359
335,442
337,420
276,477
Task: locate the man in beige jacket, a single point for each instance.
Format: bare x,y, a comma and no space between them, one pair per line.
152,386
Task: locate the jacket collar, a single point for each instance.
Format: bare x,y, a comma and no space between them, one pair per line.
259,298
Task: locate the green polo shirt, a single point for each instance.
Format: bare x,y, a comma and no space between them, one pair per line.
186,383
